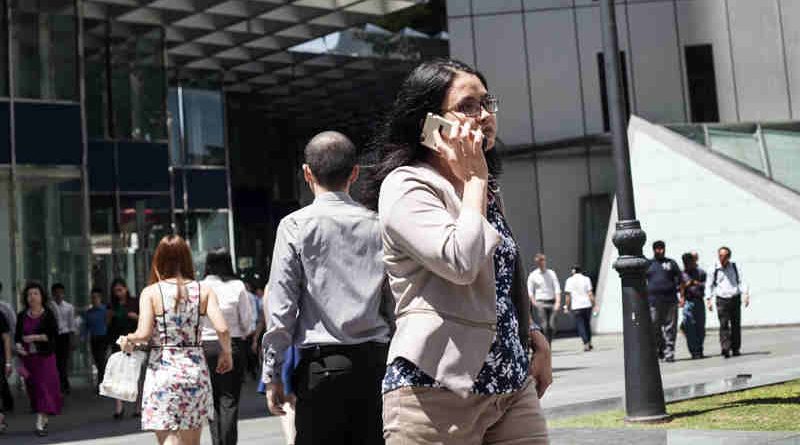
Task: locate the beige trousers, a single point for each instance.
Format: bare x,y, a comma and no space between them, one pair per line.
415,416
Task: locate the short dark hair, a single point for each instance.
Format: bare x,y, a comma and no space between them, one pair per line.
96,290
218,262
687,258
577,268
331,156
33,285
659,245
727,249
57,286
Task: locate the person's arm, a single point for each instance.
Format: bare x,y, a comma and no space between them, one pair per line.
246,312
556,290
144,328
743,287
686,282
214,314
286,278
541,366
453,248
710,291
531,287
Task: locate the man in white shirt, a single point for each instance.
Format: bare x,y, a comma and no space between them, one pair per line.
728,287
544,291
65,314
580,299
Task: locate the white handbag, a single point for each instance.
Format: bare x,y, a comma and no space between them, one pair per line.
121,379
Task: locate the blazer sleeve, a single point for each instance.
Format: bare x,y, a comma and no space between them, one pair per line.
453,248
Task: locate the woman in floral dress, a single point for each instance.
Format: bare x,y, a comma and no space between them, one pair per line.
177,400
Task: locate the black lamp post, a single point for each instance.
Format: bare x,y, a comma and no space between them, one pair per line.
644,394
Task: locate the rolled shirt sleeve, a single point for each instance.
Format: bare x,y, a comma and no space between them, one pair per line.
285,286
453,248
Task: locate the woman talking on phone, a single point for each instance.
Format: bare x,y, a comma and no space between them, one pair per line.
459,370
177,399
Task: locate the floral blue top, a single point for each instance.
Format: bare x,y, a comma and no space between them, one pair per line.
506,367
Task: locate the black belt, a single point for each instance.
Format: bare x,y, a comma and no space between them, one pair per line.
317,351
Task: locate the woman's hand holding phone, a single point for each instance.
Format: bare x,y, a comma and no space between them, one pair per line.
463,152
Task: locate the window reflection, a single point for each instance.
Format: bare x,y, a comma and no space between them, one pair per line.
203,127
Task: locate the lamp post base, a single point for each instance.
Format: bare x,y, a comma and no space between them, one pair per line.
661,418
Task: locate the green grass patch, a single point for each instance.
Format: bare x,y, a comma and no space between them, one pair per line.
769,408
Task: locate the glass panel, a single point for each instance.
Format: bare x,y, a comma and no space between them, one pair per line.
5,134
176,151
144,220
96,85
783,149
6,279
49,217
693,132
208,189
203,121
60,144
205,232
742,147
596,211
3,51
45,50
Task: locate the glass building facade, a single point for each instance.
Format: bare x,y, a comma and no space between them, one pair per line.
99,156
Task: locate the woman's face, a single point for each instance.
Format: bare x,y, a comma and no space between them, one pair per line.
466,92
120,291
34,298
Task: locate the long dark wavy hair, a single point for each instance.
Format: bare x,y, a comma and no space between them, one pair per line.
397,140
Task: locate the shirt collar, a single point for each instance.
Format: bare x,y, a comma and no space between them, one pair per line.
333,197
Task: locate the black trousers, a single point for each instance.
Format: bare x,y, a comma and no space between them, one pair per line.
664,314
729,311
227,389
5,392
62,359
338,392
99,348
583,322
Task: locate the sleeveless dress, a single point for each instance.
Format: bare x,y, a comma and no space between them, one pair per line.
177,387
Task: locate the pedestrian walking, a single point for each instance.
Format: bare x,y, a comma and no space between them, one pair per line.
36,334
6,363
693,289
237,310
177,400
10,317
257,331
459,361
544,291
67,330
663,284
580,299
325,297
124,319
730,290
98,318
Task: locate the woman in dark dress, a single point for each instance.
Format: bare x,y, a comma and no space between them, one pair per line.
35,337
124,319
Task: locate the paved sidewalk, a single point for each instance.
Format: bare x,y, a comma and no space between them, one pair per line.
580,379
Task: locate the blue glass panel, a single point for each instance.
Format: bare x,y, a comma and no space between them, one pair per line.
5,145
48,134
143,167
101,166
207,189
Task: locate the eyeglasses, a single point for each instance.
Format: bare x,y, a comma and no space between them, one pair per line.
472,108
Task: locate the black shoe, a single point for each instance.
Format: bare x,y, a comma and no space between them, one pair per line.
726,354
41,432
736,353
119,415
137,414
669,359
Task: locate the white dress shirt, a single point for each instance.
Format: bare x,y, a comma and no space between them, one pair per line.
544,286
65,314
578,287
234,302
723,282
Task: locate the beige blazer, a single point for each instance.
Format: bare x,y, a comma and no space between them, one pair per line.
439,261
